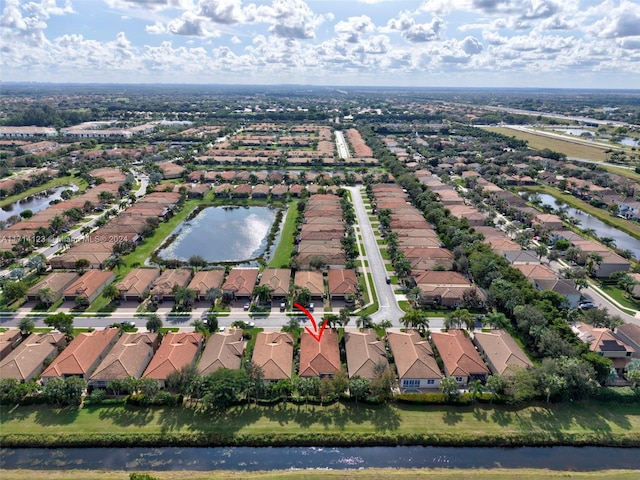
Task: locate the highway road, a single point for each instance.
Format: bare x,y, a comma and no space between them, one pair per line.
341,145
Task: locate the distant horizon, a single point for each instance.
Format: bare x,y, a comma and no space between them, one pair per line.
311,85
589,44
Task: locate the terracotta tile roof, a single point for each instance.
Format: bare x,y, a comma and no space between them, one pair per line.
342,281
364,352
137,281
413,356
164,284
204,280
241,281
26,360
176,351
630,331
440,278
273,352
223,350
319,358
459,356
82,354
128,358
536,271
601,340
56,281
312,280
502,352
89,283
277,279
8,340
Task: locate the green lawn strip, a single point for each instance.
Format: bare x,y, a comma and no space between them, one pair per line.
348,423
148,245
603,215
362,473
623,172
620,297
373,308
385,254
56,182
284,251
388,267
540,142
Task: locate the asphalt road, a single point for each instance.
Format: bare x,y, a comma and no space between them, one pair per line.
341,144
389,309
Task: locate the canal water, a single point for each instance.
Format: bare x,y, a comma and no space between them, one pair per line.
623,240
222,234
252,459
35,203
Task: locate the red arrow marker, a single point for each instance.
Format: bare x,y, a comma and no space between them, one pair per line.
315,334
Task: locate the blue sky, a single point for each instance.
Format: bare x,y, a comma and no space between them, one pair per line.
483,43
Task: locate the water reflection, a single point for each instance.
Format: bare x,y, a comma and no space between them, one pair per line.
222,234
623,240
251,459
35,203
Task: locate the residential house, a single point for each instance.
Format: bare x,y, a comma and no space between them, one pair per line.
532,272
171,170
273,353
82,355
240,283
129,357
629,333
415,362
137,283
313,281
521,257
177,350
605,343
364,351
319,358
342,283
26,361
8,341
205,280
566,288
223,350
501,352
444,288
89,285
162,287
459,356
277,279
635,292
611,263
57,282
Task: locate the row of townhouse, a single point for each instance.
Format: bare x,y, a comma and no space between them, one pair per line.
431,264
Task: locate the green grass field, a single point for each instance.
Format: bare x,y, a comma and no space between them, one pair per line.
626,226
284,251
56,182
599,423
540,142
368,474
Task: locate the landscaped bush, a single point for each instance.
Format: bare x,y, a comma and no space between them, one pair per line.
432,399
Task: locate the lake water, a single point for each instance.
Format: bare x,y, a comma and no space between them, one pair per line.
35,203
252,459
623,240
628,141
222,234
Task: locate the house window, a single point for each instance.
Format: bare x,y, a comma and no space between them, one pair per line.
431,382
459,379
410,383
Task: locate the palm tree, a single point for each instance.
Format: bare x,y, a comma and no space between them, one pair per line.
589,232
415,319
608,242
154,323
115,262
364,321
458,318
475,388
37,263
111,292
46,296
212,294
263,293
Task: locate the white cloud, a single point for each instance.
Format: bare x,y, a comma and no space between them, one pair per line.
222,11
415,32
354,28
623,21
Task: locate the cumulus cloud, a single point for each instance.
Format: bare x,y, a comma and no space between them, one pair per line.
222,11
623,21
151,4
291,19
415,32
354,28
